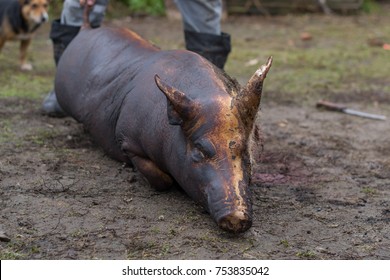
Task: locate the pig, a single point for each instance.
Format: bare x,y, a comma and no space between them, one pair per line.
170,113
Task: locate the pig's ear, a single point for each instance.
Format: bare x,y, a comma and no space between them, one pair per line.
180,107
248,100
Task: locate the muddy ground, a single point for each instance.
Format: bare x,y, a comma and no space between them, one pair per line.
321,185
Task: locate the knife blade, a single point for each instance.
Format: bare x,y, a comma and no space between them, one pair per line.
343,109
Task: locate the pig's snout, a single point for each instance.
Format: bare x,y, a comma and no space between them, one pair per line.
231,211
236,221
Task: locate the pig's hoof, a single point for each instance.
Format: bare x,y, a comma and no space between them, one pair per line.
236,222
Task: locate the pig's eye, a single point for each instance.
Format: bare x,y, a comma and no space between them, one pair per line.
197,154
203,149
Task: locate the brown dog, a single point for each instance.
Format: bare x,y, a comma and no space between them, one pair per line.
19,19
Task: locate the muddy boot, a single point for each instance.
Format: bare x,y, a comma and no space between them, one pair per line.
214,48
61,35
51,107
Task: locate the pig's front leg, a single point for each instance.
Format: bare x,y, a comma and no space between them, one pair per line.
157,178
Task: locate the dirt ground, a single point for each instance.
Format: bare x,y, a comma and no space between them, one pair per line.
320,186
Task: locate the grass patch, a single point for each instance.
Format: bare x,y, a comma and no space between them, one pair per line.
306,255
7,254
12,251
368,191
6,131
24,85
334,62
284,243
41,136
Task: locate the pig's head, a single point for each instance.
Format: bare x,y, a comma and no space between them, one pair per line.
215,164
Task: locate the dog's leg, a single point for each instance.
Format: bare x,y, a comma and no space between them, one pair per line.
24,65
2,41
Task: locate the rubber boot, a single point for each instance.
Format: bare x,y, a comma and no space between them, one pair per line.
214,48
61,35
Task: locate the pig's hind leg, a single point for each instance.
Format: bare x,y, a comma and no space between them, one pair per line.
157,178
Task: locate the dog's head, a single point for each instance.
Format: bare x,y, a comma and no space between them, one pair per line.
35,11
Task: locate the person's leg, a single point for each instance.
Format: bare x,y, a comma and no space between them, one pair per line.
202,29
201,16
72,13
62,33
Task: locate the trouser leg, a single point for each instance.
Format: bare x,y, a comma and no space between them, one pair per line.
214,48
202,16
72,13
61,36
202,29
